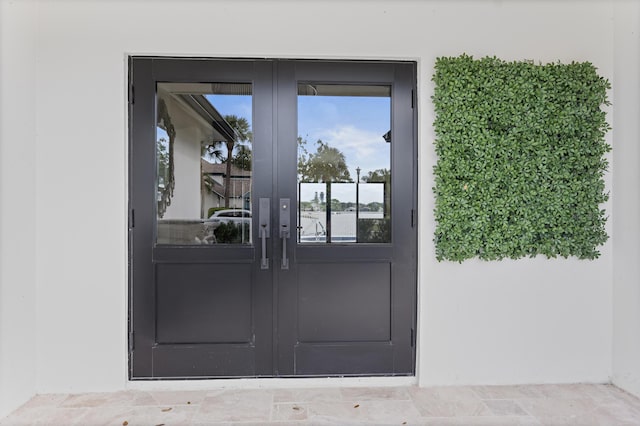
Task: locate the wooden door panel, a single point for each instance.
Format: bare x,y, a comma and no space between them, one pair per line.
344,302
353,359
204,360
203,303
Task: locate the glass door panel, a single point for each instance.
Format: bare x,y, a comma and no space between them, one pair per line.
344,163
203,159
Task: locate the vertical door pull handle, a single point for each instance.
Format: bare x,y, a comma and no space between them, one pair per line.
285,226
264,260
265,219
284,233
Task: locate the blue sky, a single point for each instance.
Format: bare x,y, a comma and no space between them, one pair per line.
232,105
354,125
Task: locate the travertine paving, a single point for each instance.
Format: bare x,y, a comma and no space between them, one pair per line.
577,404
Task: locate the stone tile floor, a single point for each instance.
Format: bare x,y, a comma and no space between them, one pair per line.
578,404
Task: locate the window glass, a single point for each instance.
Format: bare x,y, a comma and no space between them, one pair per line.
344,163
203,158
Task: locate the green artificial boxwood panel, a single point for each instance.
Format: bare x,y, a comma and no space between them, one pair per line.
521,158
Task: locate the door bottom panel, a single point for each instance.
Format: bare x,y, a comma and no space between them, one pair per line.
343,359
221,360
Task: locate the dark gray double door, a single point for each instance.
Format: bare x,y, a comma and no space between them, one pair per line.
299,257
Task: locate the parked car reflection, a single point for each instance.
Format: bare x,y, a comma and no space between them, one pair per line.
235,216
230,226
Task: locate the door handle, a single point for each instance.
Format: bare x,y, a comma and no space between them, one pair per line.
265,230
285,227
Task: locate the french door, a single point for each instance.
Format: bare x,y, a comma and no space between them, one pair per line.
272,218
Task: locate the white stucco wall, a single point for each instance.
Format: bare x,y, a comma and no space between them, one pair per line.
17,203
626,176
526,321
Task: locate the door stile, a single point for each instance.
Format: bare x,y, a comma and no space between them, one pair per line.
404,204
262,188
142,169
285,161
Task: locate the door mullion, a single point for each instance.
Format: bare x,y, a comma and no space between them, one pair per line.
284,158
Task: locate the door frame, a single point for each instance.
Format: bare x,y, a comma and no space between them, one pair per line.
411,250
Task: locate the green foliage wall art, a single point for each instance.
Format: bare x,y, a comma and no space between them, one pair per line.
521,159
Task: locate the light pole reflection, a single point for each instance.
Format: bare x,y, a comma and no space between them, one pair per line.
357,199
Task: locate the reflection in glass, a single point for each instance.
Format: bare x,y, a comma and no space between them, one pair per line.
203,158
344,166
165,141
